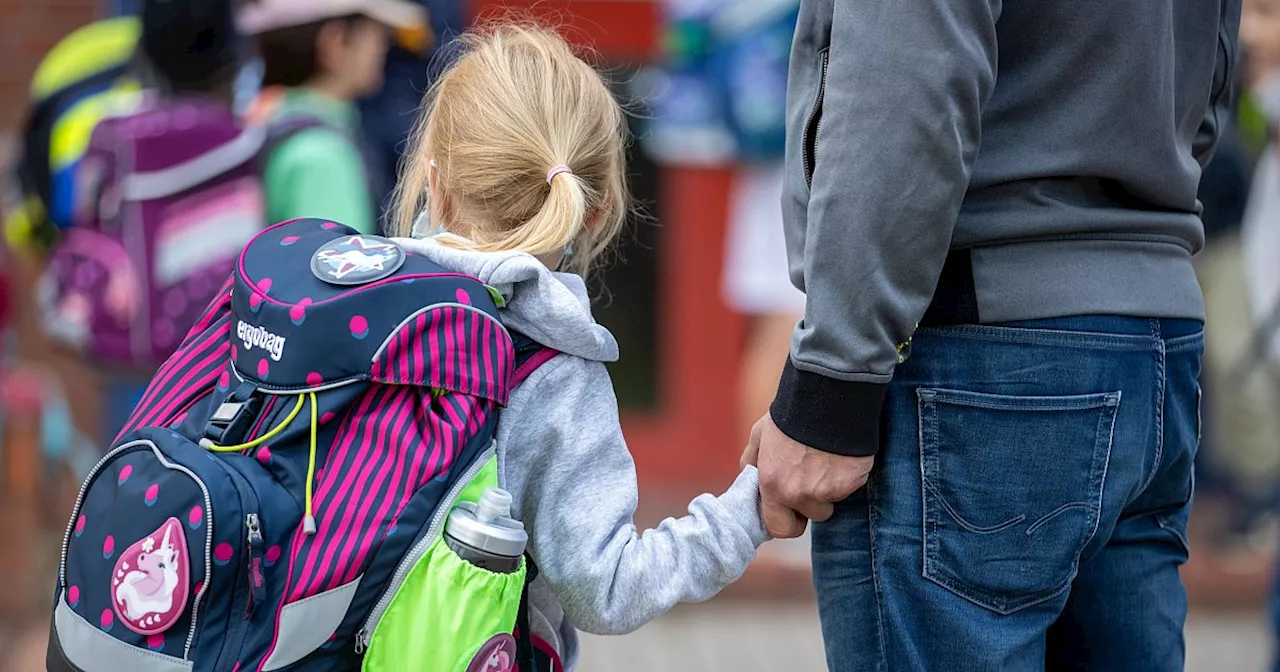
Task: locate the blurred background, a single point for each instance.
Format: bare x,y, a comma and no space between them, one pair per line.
697,296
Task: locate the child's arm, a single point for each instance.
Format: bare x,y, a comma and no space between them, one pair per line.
563,458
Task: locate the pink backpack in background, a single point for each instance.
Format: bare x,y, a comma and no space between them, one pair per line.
169,195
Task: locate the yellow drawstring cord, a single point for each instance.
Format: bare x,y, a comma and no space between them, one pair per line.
309,522
210,445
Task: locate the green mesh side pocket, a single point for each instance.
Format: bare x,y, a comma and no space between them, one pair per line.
449,616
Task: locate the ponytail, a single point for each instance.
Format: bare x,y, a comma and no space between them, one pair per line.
517,103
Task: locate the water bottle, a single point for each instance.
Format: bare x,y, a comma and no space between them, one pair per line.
485,535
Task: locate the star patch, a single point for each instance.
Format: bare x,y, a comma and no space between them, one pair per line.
356,260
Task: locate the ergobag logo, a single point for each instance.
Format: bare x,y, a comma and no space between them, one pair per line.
257,337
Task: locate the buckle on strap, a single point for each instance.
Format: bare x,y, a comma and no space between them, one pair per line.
233,418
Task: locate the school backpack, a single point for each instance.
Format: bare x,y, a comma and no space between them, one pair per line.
168,196
82,78
276,500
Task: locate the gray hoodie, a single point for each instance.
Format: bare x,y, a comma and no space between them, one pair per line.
981,161
562,456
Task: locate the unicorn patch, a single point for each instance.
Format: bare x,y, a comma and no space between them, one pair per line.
497,655
152,580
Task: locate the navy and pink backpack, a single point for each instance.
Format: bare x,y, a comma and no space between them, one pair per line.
277,498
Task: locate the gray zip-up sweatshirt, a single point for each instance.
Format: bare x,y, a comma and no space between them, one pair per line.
956,161
562,456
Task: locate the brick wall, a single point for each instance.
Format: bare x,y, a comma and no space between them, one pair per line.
27,29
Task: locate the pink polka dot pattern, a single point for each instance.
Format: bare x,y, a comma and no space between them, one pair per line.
224,380
298,313
255,302
329,225
152,493
288,240
73,595
80,525
463,297
264,455
273,555
314,379
196,517
265,285
155,642
108,546
107,619
263,368
125,473
359,326
326,417
223,553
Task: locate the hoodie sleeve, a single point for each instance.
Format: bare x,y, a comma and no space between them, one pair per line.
562,456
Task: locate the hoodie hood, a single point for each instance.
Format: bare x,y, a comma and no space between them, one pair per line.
553,309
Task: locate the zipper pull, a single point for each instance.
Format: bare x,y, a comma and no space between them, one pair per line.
257,580
362,642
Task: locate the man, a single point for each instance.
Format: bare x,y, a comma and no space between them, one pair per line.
1003,319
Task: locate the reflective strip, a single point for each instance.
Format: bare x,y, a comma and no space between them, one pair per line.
179,178
91,649
306,625
69,138
84,53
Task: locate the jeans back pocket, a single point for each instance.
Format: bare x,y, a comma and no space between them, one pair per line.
1012,488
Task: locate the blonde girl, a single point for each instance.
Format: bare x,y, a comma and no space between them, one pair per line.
518,168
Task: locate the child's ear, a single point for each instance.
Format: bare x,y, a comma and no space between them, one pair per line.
331,42
595,218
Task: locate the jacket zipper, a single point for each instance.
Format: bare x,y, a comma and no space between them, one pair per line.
420,549
208,507
814,123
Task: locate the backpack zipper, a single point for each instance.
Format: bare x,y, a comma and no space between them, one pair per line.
420,549
243,594
208,507
809,150
257,581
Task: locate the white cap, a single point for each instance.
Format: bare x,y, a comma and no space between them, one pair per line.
260,16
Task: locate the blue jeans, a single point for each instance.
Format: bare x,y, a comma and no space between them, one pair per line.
1028,507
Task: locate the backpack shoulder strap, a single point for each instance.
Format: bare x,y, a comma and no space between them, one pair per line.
530,355
281,130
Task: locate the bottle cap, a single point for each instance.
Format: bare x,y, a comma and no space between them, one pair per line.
487,526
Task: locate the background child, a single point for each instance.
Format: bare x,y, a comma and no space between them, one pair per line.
189,50
520,153
318,58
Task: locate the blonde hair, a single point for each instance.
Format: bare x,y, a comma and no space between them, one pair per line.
515,106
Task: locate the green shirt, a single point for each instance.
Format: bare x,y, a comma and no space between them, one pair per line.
319,172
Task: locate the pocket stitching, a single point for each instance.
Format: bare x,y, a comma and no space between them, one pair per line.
976,529
929,438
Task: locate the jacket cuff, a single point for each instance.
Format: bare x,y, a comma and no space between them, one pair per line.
834,416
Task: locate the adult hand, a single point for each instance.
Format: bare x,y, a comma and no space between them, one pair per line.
799,483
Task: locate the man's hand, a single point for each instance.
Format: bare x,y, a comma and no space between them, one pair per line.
799,483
